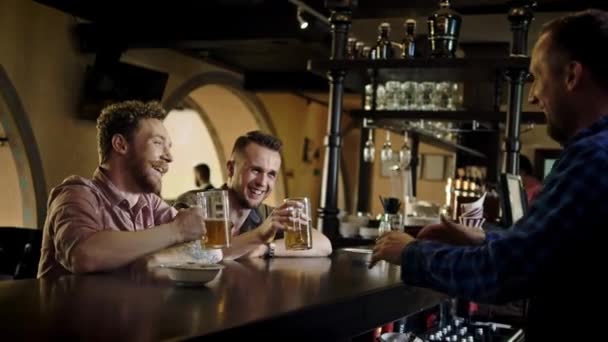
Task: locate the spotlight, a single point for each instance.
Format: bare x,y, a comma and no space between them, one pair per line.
303,23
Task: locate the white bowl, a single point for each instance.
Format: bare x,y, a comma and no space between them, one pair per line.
420,221
193,273
348,229
368,233
358,220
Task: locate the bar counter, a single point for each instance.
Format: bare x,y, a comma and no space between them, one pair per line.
278,299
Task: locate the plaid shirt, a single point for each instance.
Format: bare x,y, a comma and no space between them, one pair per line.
551,253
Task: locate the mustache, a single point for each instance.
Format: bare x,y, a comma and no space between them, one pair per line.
163,166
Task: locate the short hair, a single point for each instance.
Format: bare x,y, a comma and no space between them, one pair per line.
203,170
123,118
525,165
582,37
257,137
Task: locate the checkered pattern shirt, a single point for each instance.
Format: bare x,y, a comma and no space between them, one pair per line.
551,246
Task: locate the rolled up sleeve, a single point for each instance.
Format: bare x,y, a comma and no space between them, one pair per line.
75,217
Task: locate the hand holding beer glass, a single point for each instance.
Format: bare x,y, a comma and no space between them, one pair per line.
216,217
298,234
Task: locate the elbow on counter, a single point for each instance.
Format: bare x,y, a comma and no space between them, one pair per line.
326,247
82,261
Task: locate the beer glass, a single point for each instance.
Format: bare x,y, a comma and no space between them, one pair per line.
298,233
215,213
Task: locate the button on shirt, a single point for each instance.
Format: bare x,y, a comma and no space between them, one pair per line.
551,255
79,208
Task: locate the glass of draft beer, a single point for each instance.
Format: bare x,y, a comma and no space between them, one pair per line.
215,211
298,234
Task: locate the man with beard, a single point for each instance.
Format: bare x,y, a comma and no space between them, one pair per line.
252,173
117,217
553,254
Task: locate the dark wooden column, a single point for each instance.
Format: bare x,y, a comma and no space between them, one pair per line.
520,16
364,176
328,212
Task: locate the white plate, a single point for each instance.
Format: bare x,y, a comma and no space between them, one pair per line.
358,250
193,274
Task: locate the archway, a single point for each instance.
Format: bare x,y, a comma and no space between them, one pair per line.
194,141
25,154
227,111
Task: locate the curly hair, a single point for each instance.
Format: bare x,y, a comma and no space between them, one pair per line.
260,138
123,118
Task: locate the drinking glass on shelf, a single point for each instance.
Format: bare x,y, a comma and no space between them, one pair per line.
392,93
405,153
386,154
407,98
380,97
369,91
439,129
442,95
424,100
456,96
369,150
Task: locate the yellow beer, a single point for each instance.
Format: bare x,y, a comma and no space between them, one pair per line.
298,239
218,233
298,234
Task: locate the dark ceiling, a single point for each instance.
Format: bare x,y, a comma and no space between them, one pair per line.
259,38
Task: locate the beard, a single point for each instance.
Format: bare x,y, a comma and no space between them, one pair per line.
561,124
242,200
141,173
556,133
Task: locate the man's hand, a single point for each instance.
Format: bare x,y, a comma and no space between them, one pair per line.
276,221
452,233
189,224
389,247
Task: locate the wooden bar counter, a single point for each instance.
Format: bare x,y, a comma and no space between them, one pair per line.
278,299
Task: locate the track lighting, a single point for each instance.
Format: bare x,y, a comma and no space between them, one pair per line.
303,23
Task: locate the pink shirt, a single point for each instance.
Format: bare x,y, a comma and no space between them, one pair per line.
79,208
532,186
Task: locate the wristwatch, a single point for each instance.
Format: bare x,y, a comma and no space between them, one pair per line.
270,246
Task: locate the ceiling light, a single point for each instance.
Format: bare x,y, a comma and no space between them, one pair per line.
303,23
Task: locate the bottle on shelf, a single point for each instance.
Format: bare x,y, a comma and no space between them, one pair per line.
351,48
444,30
409,45
359,46
384,46
366,52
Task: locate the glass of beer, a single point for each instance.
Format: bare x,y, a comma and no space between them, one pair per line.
215,211
298,234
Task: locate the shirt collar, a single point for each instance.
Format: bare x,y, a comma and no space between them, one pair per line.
595,128
254,218
111,191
